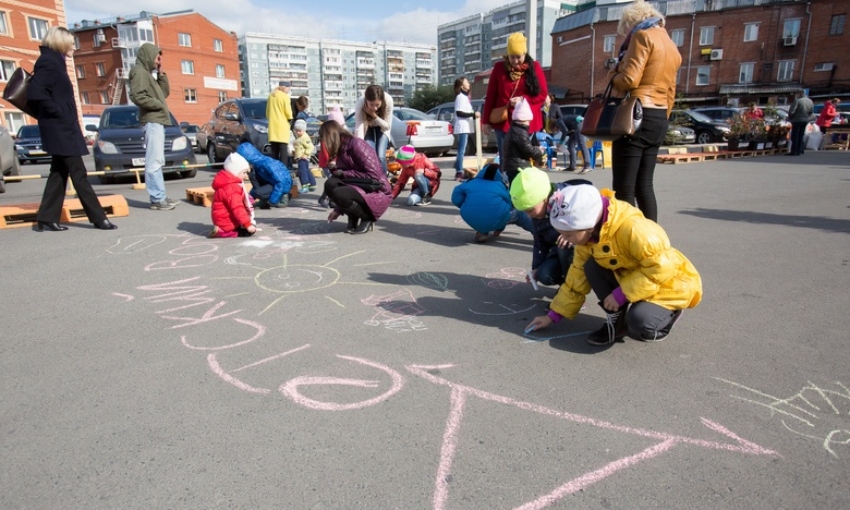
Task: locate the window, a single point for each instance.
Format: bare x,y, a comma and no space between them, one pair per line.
222,96
706,36
184,40
86,98
190,95
678,36
96,42
826,66
746,73
703,75
38,28
219,71
187,66
785,70
836,26
608,43
792,28
104,97
81,72
99,70
76,42
4,27
7,67
751,32
218,45
146,35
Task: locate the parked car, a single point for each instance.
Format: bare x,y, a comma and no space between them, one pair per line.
446,112
573,110
191,131
201,138
723,113
677,135
9,164
412,127
90,120
120,145
707,129
233,122
28,144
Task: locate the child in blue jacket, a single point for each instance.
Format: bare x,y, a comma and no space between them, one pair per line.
270,180
485,204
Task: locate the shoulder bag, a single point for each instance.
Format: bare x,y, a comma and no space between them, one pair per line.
16,90
500,114
609,118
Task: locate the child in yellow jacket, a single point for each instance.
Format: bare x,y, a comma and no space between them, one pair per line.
302,149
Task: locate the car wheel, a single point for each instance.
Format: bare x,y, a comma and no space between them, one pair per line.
16,168
704,137
189,174
211,153
106,179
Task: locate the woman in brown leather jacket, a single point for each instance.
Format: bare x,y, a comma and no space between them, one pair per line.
647,69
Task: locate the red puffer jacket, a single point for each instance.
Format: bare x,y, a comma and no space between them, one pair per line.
228,208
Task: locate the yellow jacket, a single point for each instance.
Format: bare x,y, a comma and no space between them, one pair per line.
303,146
648,69
279,113
644,263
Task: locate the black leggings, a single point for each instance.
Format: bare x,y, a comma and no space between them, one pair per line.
634,162
348,199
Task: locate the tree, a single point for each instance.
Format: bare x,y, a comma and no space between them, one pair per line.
429,96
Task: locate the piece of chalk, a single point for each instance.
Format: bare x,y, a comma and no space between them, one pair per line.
531,279
530,329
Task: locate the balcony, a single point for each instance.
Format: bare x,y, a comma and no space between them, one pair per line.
119,42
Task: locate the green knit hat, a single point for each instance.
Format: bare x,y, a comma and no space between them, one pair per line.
529,188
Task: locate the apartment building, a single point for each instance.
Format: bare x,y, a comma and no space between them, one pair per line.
22,27
733,51
472,45
200,58
334,72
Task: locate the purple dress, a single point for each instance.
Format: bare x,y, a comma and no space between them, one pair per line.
356,158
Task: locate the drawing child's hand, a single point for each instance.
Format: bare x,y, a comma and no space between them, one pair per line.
252,229
538,323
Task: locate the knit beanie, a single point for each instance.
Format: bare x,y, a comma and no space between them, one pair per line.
517,44
405,154
522,111
529,188
301,125
337,116
575,208
236,164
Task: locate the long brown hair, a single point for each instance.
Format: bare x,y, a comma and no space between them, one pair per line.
374,93
331,136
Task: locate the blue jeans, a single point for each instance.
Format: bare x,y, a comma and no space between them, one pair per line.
154,161
377,139
462,139
304,173
553,270
422,187
500,137
578,140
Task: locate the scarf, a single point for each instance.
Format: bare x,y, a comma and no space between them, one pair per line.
516,72
643,25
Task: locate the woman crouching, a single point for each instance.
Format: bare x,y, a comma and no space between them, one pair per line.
358,186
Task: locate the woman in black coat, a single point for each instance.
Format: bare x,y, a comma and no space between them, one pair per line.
52,96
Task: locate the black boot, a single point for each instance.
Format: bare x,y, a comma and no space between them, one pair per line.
41,226
353,221
614,329
364,217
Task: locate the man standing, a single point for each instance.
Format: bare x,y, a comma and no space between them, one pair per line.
576,140
279,113
800,114
148,90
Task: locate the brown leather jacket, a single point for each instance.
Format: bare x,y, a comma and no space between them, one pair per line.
648,69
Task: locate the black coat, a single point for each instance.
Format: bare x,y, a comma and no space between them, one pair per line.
52,94
517,150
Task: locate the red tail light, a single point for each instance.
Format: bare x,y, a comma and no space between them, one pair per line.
412,128
451,129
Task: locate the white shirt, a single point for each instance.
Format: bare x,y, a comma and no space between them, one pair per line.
463,124
361,124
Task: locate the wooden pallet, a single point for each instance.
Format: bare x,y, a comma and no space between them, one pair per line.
24,215
675,159
204,196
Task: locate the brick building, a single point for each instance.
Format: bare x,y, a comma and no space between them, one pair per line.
733,51
22,27
201,60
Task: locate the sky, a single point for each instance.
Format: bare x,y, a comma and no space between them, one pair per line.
350,20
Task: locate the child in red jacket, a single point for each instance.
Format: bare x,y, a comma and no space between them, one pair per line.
232,212
426,176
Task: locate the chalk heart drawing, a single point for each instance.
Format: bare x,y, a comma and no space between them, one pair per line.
820,413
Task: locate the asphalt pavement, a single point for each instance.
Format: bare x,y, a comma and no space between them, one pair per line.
303,368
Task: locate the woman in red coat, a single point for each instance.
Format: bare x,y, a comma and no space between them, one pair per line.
518,75
827,115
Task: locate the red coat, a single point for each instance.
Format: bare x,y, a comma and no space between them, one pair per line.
420,161
228,208
827,115
499,93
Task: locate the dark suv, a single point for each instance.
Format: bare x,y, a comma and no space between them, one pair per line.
120,145
707,129
233,122
28,144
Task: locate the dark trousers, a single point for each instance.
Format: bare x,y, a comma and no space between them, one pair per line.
280,152
61,167
348,199
645,319
634,162
553,270
798,134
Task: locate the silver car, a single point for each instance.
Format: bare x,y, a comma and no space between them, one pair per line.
412,127
9,164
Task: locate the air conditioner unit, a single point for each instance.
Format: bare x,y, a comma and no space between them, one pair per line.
790,40
715,55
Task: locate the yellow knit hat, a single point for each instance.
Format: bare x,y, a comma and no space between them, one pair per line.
517,44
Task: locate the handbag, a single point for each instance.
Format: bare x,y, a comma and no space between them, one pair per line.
367,184
16,90
500,114
609,118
